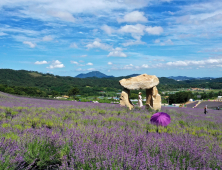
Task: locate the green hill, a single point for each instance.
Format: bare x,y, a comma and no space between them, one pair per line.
49,82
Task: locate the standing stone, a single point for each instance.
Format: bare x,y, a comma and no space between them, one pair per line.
153,99
149,100
156,99
124,99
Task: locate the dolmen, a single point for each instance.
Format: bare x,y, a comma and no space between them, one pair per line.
143,81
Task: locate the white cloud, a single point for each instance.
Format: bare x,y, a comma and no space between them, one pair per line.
154,30
79,69
131,67
138,30
89,64
128,67
91,69
73,45
2,34
83,56
63,15
41,62
97,44
110,63
47,38
56,64
167,42
145,66
171,13
134,16
109,30
133,29
195,62
31,45
131,42
157,41
74,62
117,52
166,0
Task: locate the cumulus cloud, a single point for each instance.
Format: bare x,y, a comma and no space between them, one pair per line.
56,64
41,62
110,63
47,38
31,45
89,64
133,29
74,62
134,16
73,45
137,30
97,44
154,30
109,30
117,52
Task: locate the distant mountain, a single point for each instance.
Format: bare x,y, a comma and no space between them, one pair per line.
133,75
182,78
93,74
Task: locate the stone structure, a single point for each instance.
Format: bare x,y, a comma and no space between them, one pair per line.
144,81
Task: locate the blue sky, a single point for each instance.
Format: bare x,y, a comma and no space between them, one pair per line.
116,37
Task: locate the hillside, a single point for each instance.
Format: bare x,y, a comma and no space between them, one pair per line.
62,84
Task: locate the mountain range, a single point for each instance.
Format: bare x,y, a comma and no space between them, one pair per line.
102,75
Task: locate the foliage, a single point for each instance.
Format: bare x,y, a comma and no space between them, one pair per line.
180,97
34,83
52,134
73,91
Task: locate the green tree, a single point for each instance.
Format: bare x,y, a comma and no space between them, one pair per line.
73,91
54,93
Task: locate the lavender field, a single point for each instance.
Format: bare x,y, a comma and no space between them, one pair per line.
52,134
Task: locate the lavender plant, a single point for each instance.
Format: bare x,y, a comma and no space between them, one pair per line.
51,134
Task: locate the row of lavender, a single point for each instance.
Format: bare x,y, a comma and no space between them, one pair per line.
41,134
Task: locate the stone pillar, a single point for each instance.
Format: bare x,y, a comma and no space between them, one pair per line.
124,99
156,99
149,100
153,99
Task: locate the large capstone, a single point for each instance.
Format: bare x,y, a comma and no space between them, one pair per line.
143,81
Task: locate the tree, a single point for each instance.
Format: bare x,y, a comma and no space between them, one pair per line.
73,91
54,93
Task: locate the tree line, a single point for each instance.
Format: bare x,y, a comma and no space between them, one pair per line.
39,84
182,97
